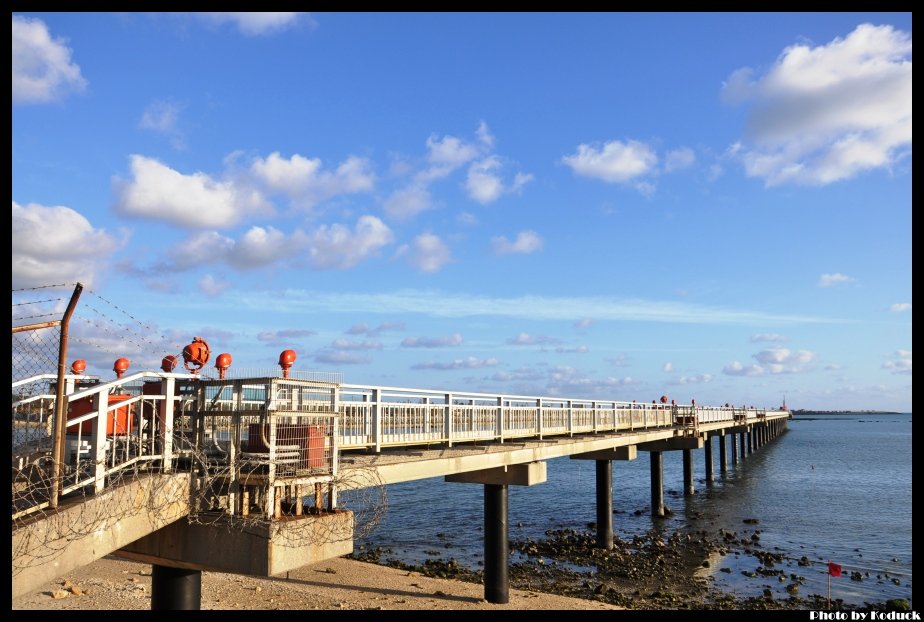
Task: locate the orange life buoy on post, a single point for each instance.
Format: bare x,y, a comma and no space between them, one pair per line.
197,353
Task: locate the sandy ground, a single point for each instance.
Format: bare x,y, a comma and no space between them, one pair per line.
112,583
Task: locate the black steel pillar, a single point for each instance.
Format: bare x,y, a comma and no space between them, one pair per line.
734,447
707,454
496,552
657,484
750,434
744,445
175,588
604,504
688,472
723,453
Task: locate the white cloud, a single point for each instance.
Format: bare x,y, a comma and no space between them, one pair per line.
53,245
898,307
900,363
484,135
449,153
340,357
668,367
615,162
826,113
432,342
526,242
346,344
213,287
196,201
574,350
484,183
286,334
771,337
162,117
620,360
427,253
525,339
783,360
335,246
438,303
358,329
679,159
408,201
693,379
827,280
735,368
42,67
253,23
467,218
306,182
470,362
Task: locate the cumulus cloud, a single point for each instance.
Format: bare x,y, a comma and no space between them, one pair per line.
898,307
335,246
827,280
614,162
407,202
42,67
525,339
771,337
736,368
485,184
584,323
428,253
363,328
70,249
826,113
573,350
900,362
159,192
485,181
255,23
284,335
432,342
526,242
306,182
784,360
679,159
470,362
620,360
668,367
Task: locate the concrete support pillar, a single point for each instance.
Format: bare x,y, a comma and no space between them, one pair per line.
604,504
734,447
707,454
496,584
657,484
723,453
688,488
750,436
744,445
175,588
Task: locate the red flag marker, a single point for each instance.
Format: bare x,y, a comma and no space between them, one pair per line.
834,569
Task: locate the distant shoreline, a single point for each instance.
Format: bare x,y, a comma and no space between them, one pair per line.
797,413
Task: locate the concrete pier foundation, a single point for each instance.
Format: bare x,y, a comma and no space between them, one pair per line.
688,488
723,454
175,588
707,456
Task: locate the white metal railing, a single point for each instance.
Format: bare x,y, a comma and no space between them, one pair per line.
117,424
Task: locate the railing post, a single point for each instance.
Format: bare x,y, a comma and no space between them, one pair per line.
101,404
539,417
447,420
499,429
377,420
165,422
570,418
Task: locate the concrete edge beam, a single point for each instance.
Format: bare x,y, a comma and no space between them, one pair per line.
629,452
673,444
527,474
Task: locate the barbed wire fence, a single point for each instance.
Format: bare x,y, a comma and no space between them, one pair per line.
101,331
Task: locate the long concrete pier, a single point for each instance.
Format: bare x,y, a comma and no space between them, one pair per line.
252,453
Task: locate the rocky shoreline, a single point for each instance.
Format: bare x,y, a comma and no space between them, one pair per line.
658,570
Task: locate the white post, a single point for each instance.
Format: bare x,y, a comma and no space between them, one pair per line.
377,420
499,424
447,420
165,422
101,404
539,417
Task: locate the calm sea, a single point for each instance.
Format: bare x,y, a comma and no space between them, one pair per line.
834,487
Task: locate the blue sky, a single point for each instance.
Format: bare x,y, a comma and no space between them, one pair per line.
613,206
